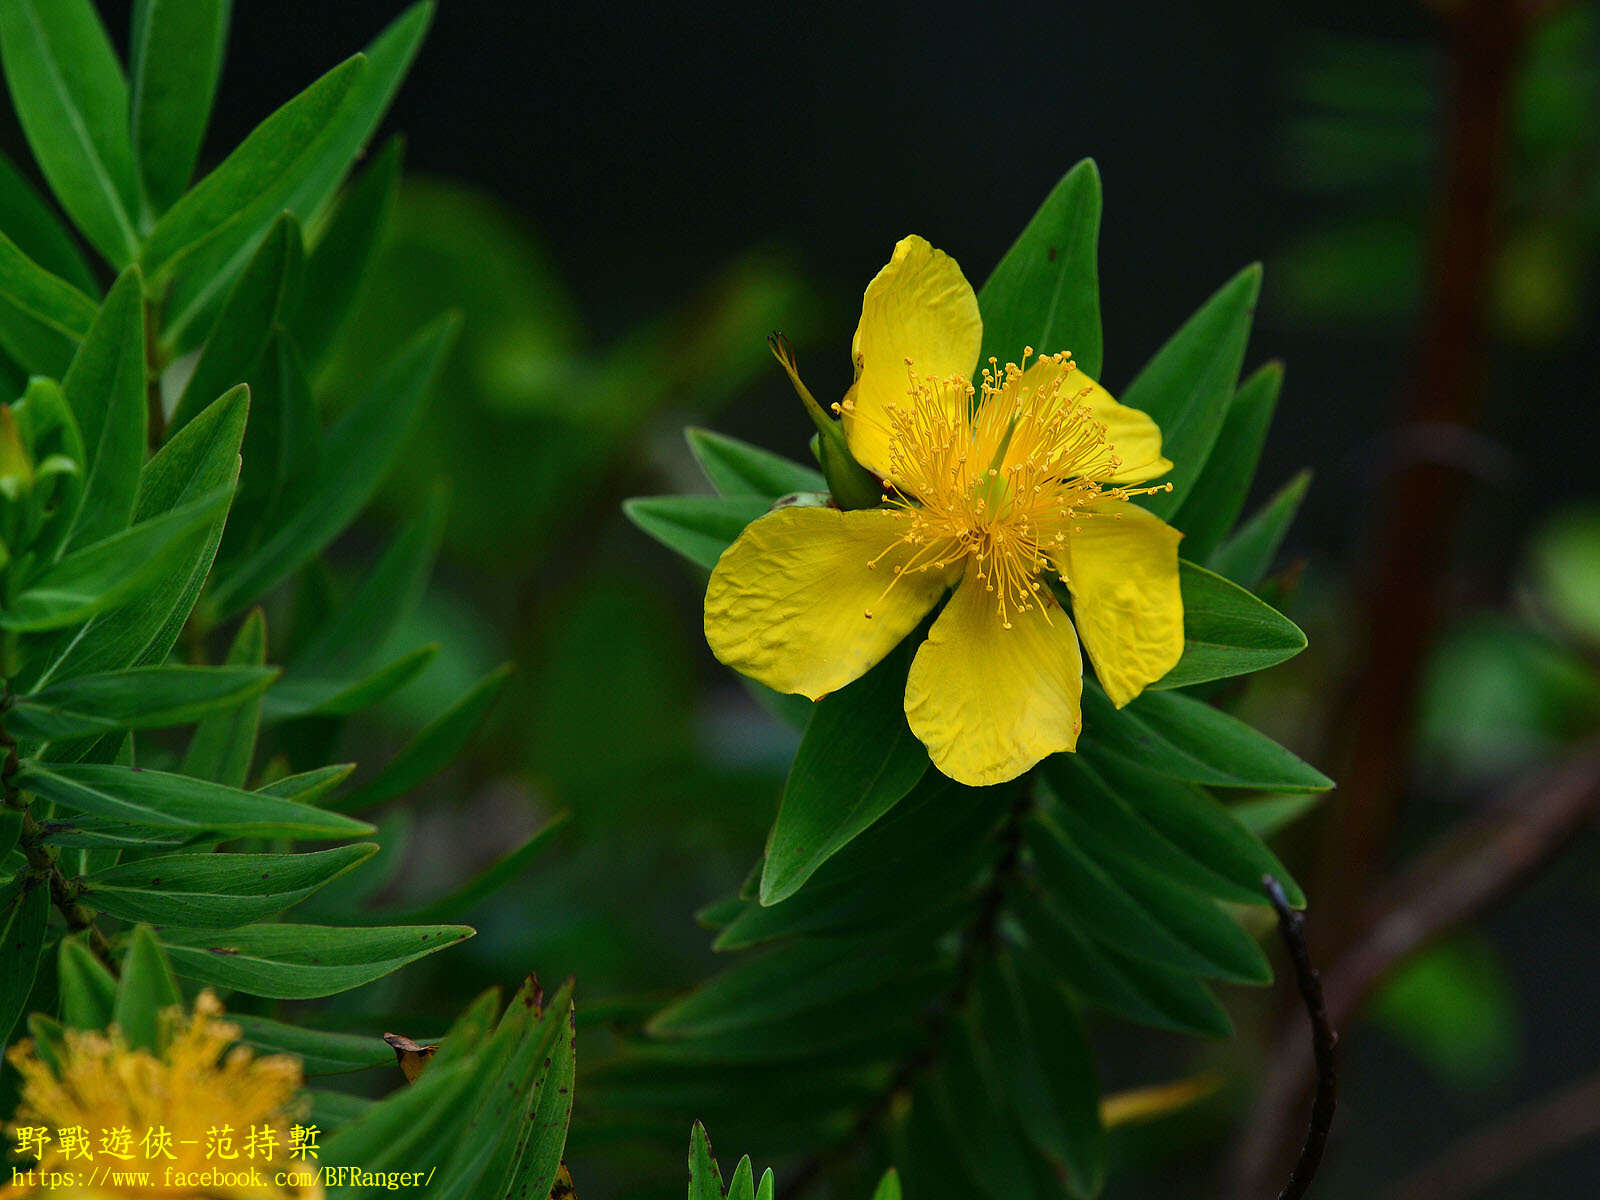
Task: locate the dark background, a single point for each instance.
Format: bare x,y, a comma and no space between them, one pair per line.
645,146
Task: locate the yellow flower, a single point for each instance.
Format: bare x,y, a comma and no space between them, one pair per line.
995,491
196,1109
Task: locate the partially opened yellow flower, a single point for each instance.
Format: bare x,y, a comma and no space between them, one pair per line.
204,1117
996,491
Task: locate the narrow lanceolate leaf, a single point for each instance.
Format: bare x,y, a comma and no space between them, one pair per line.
357,455
338,265
888,1187
1218,496
282,453
24,913
216,891
1248,554
145,990
486,883
384,596
105,388
1227,631
705,1180
1136,991
114,569
308,787
1188,386
258,303
698,527
177,57
202,457
224,743
857,760
296,698
298,962
1187,739
1046,1070
34,226
72,100
141,698
1195,822
319,1052
737,468
158,800
248,189
306,186
88,990
1045,293
433,749
42,318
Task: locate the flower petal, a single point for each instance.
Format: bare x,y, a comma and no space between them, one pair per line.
919,307
988,702
1132,435
788,601
1121,565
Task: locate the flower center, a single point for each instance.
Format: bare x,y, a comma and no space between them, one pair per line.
996,476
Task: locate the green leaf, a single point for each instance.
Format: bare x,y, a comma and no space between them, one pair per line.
224,743
888,1187
309,786
1246,556
856,761
95,577
319,1052
315,175
485,883
1267,815
340,262
385,596
258,303
1107,827
433,749
543,1136
737,468
1192,820
88,990
296,698
160,800
141,698
698,527
36,229
789,979
299,962
1045,292
988,1140
1046,1069
282,447
1187,387
46,427
1136,991
705,1180
144,992
1227,631
216,891
1187,739
177,57
1218,495
357,455
1077,883
250,187
72,101
42,318
105,388
24,914
202,457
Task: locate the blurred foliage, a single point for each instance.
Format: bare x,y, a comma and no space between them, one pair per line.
1362,145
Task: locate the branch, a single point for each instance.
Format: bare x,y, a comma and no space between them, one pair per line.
1484,1158
1324,1043
1471,870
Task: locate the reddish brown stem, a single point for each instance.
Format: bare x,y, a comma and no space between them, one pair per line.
1475,867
